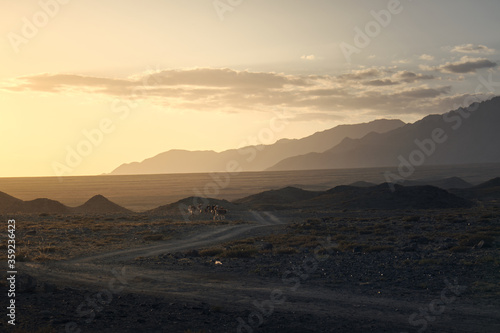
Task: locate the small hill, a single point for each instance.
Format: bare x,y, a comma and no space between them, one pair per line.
446,183
489,190
490,184
283,198
99,204
7,201
181,207
387,197
384,197
12,205
41,205
362,184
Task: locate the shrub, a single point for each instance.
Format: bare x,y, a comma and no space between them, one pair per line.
153,238
211,252
240,252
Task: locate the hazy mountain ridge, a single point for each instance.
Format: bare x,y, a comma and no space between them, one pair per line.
464,137
252,158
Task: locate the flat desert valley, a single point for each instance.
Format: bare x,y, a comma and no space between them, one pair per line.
294,252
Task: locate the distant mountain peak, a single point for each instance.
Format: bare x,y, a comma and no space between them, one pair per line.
452,138
253,158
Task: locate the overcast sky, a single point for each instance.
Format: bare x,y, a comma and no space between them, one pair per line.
156,75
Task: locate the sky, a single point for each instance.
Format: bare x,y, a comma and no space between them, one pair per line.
88,85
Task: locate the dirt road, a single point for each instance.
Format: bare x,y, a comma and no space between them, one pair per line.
256,304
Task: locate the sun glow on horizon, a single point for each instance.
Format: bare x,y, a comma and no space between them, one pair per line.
174,75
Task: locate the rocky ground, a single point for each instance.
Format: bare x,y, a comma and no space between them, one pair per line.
286,271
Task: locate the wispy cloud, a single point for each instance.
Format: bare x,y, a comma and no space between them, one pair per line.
308,57
409,77
426,57
467,65
471,48
378,90
384,82
361,74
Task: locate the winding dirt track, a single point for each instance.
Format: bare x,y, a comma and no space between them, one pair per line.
240,292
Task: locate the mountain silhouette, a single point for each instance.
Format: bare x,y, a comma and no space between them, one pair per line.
252,158
463,136
277,198
41,205
446,183
381,196
99,204
8,201
489,190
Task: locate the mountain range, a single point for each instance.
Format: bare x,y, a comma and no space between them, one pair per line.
252,158
462,136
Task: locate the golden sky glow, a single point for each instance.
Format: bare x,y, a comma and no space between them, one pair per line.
157,75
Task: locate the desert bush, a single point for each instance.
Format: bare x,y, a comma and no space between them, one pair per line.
211,252
242,251
192,253
153,238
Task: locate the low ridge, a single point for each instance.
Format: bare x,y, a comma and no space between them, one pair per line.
99,204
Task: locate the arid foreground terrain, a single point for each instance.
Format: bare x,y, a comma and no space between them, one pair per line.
282,270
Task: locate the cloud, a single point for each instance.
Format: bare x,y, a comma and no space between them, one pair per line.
424,92
385,82
471,48
308,57
317,116
402,61
426,57
202,77
361,74
409,77
466,65
376,90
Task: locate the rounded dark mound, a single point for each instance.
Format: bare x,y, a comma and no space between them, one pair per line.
277,198
42,205
492,183
99,204
8,201
387,196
